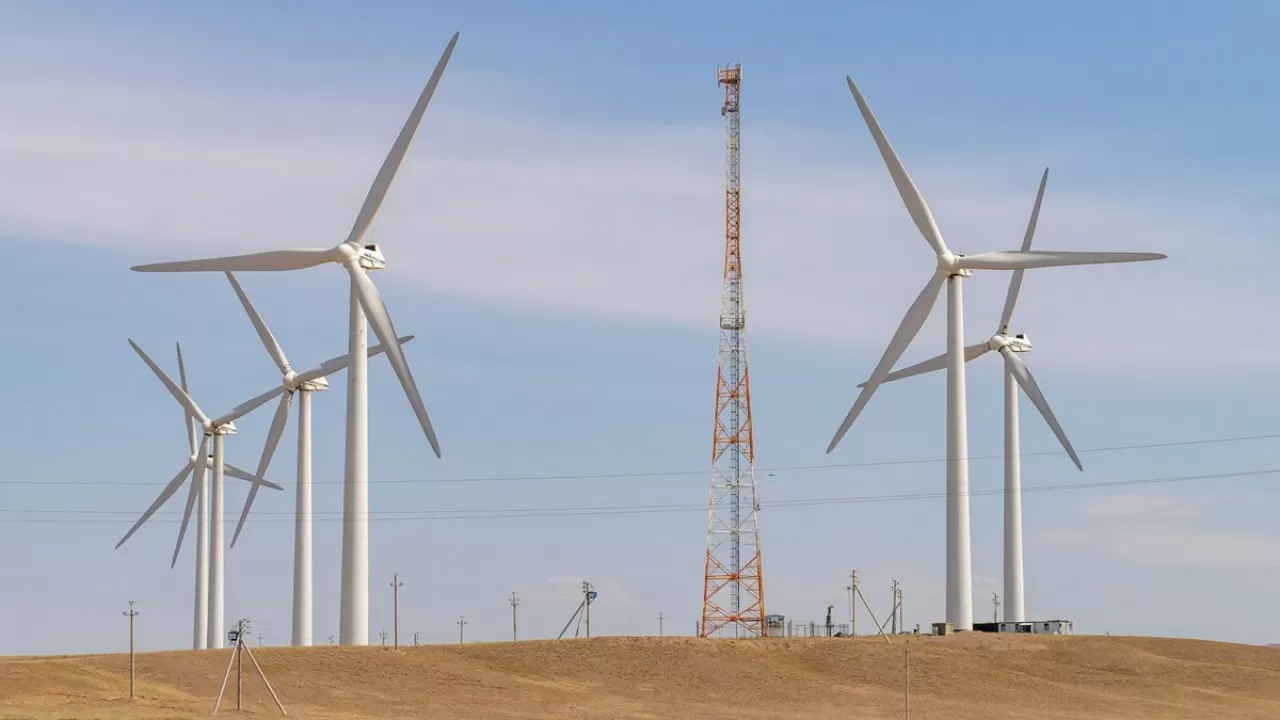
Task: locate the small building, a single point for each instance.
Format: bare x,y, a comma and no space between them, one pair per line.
775,626
1038,627
944,628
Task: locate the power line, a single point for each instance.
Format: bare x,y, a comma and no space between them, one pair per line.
555,512
678,473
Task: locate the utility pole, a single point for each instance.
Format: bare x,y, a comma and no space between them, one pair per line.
515,603
462,623
383,635
259,639
131,615
995,601
586,599
659,624
853,608
893,624
395,591
415,639
906,684
879,626
238,648
902,612
330,639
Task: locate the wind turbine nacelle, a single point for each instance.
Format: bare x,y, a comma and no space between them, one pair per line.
316,385
1018,343
371,257
228,428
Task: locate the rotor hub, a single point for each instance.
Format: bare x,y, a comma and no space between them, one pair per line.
949,265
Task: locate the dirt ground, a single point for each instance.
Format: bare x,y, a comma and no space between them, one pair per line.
969,677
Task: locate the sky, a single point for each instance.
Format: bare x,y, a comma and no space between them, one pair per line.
554,242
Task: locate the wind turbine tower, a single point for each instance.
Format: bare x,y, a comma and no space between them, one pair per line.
733,587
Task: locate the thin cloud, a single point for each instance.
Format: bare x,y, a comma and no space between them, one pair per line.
624,222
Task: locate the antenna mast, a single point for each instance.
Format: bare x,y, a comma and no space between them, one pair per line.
733,588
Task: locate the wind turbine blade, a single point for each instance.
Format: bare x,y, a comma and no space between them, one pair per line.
248,406
268,340
333,365
380,321
1018,260
232,471
273,439
1015,282
186,414
911,196
174,390
387,173
186,518
1029,386
273,260
202,458
164,496
906,332
936,363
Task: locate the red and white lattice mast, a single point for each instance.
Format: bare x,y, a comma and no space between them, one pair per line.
733,590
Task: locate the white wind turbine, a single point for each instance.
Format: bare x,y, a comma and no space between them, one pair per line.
1016,374
217,428
304,384
951,269
199,496
366,305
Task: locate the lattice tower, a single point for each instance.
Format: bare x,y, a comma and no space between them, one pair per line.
733,589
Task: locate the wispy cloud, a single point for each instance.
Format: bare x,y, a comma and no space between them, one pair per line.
622,221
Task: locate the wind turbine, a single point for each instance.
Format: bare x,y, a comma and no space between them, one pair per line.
1016,373
366,306
217,429
951,269
200,490
304,384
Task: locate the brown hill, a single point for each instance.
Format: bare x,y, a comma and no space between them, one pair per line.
969,677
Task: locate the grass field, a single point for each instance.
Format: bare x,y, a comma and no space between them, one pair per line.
968,677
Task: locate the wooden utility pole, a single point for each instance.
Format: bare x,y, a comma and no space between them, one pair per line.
415,639
383,635
395,623
462,623
586,599
131,615
853,608
515,603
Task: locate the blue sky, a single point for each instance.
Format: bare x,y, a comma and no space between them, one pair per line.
554,242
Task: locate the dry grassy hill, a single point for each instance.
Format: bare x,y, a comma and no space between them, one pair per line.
970,677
